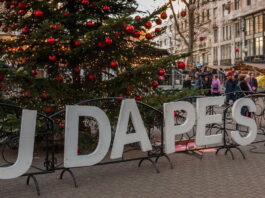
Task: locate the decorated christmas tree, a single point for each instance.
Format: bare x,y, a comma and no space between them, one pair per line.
68,51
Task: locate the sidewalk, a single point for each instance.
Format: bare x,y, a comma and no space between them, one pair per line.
214,176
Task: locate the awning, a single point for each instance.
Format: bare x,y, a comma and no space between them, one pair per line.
257,65
219,66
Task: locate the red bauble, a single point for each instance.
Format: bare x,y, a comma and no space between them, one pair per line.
25,30
101,44
155,84
163,15
148,25
84,2
137,34
138,98
161,77
34,72
236,50
61,124
22,5
202,38
158,21
137,17
76,69
51,41
26,94
21,12
108,41
59,78
148,36
106,8
157,30
91,77
52,58
48,110
161,72
66,13
129,29
38,13
77,43
183,13
90,24
181,65
44,95
1,85
114,64
2,77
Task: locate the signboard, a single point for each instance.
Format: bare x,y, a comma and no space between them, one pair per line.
130,112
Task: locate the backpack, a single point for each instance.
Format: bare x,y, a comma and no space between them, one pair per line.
215,86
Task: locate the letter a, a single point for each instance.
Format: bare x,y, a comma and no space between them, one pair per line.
129,109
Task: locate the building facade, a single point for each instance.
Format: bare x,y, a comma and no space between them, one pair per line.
227,32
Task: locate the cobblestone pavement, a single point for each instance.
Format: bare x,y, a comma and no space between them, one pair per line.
214,176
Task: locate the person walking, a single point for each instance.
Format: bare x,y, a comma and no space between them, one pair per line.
198,82
253,82
206,85
187,82
229,88
216,86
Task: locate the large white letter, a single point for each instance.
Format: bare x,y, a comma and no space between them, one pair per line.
71,157
129,108
171,130
26,147
245,121
203,120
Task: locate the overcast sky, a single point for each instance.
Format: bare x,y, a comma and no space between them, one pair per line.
150,5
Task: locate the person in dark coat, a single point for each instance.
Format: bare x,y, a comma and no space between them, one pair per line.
207,84
198,82
253,82
245,88
229,88
187,82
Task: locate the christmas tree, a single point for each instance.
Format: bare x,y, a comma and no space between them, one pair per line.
68,51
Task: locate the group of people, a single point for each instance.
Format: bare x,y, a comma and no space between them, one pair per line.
235,86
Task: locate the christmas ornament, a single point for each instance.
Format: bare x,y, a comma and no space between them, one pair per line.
25,30
101,44
183,13
59,79
114,64
84,2
161,77
38,13
61,124
108,41
1,85
181,65
163,15
106,8
44,95
137,34
148,36
22,5
21,12
236,50
158,21
48,110
52,58
51,41
77,43
138,98
34,72
157,30
91,77
202,38
90,24
26,94
148,25
155,84
161,72
129,29
76,69
137,17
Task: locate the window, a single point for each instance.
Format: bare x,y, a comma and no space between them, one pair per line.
208,15
237,4
249,26
259,46
237,29
227,33
215,35
215,54
226,52
238,49
215,13
248,2
258,24
165,42
250,47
